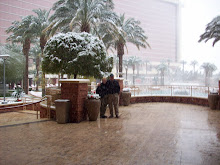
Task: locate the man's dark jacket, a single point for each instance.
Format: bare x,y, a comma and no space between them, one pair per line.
113,87
102,90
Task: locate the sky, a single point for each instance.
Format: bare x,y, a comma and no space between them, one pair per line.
195,15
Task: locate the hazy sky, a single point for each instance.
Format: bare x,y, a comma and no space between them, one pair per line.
195,15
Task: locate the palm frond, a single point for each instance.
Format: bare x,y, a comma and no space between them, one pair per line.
212,31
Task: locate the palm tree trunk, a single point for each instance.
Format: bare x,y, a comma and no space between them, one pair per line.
59,80
138,69
146,69
26,48
37,74
43,84
116,68
183,68
120,53
43,42
133,73
85,28
120,65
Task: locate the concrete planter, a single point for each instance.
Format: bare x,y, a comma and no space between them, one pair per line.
213,100
126,97
93,108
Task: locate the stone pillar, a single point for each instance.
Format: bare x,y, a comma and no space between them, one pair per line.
120,81
76,91
218,106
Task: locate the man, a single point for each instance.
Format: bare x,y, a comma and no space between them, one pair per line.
102,91
113,95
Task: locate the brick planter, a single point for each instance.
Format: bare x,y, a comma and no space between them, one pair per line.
76,91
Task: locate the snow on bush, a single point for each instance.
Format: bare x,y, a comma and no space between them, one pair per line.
76,53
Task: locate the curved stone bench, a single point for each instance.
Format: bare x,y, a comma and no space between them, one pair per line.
43,110
170,99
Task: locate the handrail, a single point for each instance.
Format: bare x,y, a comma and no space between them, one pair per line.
18,106
172,90
171,85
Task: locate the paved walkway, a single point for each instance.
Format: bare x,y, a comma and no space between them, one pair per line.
150,134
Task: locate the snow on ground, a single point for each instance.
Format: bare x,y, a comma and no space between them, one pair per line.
36,94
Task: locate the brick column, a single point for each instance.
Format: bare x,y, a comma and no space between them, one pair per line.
120,81
76,91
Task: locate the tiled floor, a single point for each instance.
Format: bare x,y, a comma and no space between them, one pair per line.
150,134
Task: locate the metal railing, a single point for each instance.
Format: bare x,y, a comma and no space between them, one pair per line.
169,90
34,106
172,90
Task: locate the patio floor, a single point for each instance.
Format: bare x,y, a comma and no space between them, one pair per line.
150,134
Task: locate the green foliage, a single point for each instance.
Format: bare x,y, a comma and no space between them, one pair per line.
208,68
126,30
79,15
212,31
133,61
162,67
77,54
14,65
20,30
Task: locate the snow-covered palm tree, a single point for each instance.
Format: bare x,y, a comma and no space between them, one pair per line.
39,23
193,64
21,32
161,68
183,63
35,51
133,62
79,15
208,69
128,30
147,62
212,31
126,65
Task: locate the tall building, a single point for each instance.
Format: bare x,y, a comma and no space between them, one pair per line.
159,19
11,10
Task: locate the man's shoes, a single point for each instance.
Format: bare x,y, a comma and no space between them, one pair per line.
103,116
111,116
117,116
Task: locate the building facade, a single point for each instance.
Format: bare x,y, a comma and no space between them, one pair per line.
11,10
161,21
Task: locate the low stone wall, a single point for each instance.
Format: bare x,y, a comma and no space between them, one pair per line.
170,99
19,106
43,111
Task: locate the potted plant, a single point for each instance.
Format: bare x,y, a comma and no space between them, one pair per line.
18,93
126,96
93,105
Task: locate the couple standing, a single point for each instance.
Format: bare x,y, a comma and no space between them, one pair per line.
109,91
